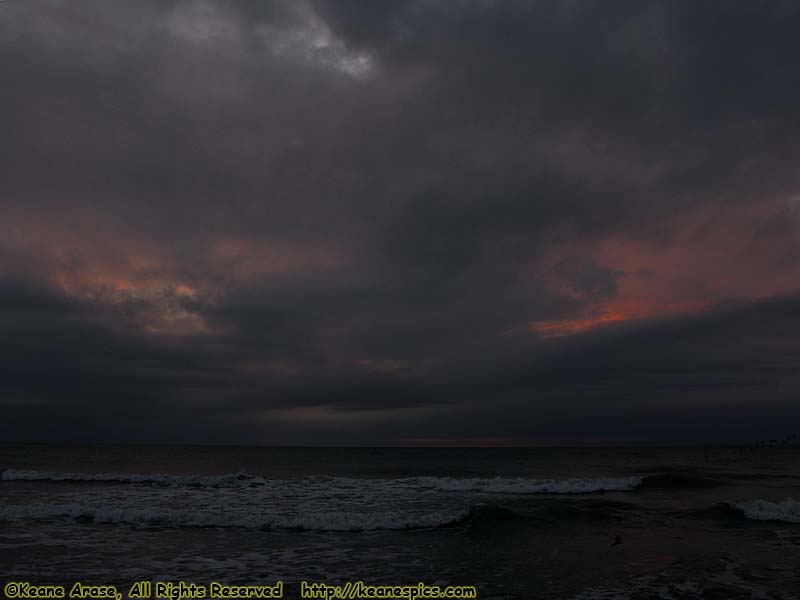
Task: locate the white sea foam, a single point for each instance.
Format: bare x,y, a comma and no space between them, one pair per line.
787,511
313,521
519,485
496,485
227,480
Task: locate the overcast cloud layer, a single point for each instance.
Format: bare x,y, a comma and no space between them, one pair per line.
420,222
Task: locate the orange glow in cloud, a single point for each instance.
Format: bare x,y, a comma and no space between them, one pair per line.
136,282
715,258
611,313
142,283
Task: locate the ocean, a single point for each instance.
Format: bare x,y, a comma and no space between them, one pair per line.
572,523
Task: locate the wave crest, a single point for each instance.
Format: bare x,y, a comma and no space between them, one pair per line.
519,485
321,521
496,485
228,480
787,511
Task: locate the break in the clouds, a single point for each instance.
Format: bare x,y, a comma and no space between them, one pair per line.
399,222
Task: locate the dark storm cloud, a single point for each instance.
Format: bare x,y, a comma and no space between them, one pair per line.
397,220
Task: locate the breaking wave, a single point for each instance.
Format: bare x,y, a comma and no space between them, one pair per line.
167,518
496,485
787,511
227,480
500,485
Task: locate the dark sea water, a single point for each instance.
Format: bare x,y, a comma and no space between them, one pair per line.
721,523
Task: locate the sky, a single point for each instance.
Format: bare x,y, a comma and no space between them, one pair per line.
427,222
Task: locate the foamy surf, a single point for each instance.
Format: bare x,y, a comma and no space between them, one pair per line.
228,480
787,511
496,485
519,485
313,521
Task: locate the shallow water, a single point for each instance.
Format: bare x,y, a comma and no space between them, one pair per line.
516,523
